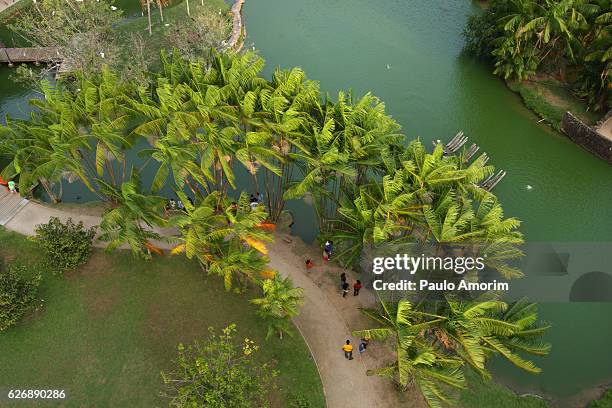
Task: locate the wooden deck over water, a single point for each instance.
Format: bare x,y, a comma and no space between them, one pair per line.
23,55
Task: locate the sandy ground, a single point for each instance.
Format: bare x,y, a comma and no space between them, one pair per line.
325,322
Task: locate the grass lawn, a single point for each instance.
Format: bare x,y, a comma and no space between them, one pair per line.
550,100
107,329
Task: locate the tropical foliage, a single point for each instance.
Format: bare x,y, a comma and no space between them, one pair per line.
570,39
281,302
219,372
17,294
65,245
224,237
203,123
435,342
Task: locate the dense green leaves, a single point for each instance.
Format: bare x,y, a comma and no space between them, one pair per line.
279,304
65,245
17,294
436,341
219,372
570,38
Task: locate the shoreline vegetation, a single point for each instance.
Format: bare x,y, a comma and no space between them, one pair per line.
268,126
550,86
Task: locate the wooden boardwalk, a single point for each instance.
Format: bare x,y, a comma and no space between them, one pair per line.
29,55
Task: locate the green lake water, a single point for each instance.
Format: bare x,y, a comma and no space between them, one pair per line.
409,54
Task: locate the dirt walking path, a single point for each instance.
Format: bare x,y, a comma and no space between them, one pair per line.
326,319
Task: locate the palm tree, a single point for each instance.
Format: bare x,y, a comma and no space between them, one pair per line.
280,303
417,362
133,218
224,237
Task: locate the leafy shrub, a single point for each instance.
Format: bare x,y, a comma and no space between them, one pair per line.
480,33
218,373
17,294
65,246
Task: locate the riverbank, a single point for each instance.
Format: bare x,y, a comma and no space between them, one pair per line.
236,40
550,99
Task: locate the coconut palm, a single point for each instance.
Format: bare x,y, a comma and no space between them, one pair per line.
280,303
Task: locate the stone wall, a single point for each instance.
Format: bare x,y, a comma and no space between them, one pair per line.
586,137
236,40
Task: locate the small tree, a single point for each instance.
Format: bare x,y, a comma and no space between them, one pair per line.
17,295
195,37
219,373
65,246
280,303
81,31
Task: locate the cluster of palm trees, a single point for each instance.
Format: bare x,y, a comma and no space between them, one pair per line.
202,122
436,342
571,37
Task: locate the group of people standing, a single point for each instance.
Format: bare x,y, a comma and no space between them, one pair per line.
175,205
344,285
328,249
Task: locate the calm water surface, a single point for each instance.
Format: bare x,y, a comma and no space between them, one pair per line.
409,54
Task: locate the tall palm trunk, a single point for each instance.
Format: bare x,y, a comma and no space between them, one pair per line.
161,11
149,16
188,12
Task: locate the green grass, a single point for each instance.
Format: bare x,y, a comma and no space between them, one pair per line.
173,16
108,329
483,393
10,11
550,100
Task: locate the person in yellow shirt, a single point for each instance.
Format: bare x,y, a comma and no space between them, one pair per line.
348,350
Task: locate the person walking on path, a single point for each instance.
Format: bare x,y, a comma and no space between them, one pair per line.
12,187
328,248
342,279
348,350
362,347
357,287
345,289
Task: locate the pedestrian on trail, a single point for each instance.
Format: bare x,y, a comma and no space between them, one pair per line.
348,350
327,249
172,204
362,347
259,198
342,279
345,289
180,205
12,187
357,287
309,264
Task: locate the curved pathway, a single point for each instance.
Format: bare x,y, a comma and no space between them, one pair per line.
322,321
